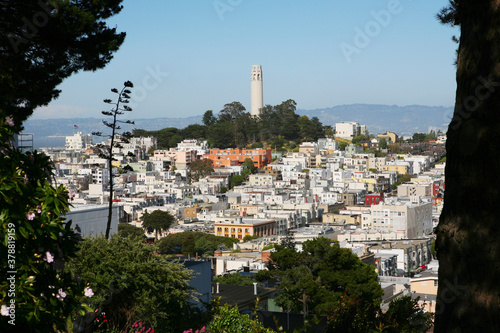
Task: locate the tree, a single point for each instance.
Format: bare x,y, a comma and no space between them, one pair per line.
34,62
358,139
208,118
419,137
405,315
127,230
36,242
382,144
287,119
204,243
188,244
249,167
194,131
229,320
158,220
231,114
119,108
131,284
468,237
200,168
236,180
317,277
221,135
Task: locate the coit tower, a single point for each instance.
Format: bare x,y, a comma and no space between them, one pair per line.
256,91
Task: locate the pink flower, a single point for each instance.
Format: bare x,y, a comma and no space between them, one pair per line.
30,215
48,257
38,209
71,194
9,120
26,179
88,292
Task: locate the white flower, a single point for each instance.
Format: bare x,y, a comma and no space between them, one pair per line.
5,310
60,294
48,257
88,292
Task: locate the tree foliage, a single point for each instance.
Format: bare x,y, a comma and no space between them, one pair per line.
131,284
200,168
235,279
229,320
205,244
188,244
44,42
158,221
249,167
127,230
318,276
237,180
234,127
405,315
36,241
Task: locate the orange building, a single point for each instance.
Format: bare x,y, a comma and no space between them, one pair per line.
233,157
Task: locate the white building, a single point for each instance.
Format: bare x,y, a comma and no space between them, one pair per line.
78,141
261,180
350,129
413,217
200,146
328,144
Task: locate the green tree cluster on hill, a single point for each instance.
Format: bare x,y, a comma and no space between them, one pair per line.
234,127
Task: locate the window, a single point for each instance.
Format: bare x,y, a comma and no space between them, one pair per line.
435,283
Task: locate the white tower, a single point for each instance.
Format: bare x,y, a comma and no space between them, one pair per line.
256,91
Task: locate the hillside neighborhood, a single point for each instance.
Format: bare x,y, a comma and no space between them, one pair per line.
381,205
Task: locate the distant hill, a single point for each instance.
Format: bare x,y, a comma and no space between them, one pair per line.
404,120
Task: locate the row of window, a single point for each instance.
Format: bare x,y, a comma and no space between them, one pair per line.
226,230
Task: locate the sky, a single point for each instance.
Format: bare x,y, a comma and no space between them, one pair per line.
187,57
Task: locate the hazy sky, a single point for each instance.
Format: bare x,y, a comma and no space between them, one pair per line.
186,57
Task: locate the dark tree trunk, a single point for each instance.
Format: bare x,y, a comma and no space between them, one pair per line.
468,243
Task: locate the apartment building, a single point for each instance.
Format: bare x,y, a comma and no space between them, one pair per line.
78,141
240,227
413,217
415,189
233,157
